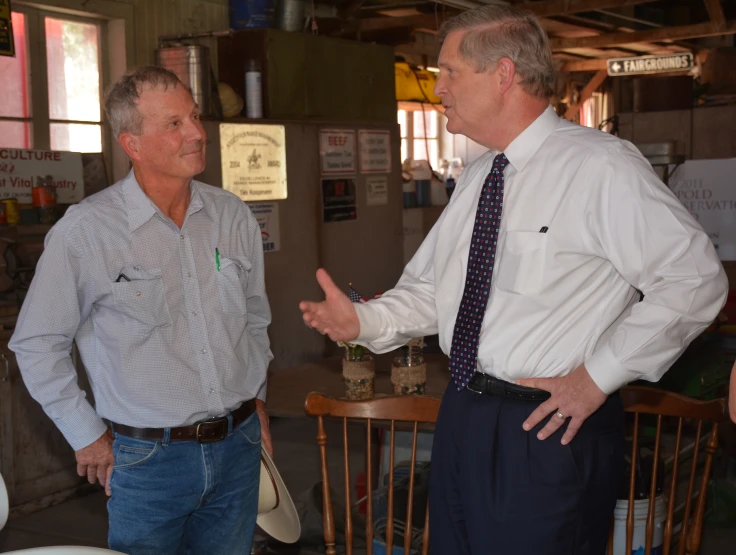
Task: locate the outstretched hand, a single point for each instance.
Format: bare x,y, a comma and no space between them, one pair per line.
575,396
335,316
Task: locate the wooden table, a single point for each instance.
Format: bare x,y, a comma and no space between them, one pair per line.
289,387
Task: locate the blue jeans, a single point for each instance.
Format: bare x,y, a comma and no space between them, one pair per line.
185,497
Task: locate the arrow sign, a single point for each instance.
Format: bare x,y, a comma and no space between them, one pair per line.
646,65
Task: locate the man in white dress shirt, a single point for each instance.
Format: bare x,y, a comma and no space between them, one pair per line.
528,452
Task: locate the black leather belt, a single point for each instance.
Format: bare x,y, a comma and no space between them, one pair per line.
488,385
205,431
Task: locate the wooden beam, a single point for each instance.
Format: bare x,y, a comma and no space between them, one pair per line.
541,9
550,8
586,93
594,64
429,21
652,35
715,11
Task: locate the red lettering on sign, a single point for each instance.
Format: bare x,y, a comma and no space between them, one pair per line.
337,141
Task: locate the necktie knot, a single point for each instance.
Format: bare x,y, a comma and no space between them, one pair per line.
500,162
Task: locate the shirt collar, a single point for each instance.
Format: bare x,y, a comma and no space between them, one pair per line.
141,208
523,147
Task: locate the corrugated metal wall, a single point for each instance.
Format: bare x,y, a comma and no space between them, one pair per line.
169,17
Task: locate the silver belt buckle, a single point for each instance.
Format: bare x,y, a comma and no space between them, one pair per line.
478,371
474,390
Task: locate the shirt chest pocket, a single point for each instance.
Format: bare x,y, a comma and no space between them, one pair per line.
232,282
140,297
521,268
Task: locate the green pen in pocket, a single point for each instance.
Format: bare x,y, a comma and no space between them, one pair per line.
217,259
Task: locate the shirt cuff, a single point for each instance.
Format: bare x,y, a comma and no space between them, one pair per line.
370,323
607,371
82,427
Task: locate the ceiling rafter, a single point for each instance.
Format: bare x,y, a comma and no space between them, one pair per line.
715,11
586,93
652,35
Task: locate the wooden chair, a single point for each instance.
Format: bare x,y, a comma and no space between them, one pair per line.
684,411
411,410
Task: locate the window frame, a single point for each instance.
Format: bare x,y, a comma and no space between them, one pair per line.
37,74
441,137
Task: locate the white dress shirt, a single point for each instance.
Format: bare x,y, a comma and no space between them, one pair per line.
166,335
567,296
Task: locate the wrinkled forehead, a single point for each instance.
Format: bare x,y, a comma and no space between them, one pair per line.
161,100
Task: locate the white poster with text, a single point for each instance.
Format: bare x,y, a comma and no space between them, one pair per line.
337,151
20,168
376,190
375,151
706,188
267,215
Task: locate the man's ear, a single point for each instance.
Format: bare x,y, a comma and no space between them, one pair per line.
506,74
131,145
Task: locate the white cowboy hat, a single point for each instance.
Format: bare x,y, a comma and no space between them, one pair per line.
277,514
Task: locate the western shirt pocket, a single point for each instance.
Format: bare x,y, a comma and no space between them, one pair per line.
232,282
521,267
142,297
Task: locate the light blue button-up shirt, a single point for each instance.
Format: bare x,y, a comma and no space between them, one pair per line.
169,332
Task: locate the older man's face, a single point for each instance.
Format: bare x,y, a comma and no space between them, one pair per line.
172,142
470,98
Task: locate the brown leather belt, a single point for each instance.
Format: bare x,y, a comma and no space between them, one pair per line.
205,431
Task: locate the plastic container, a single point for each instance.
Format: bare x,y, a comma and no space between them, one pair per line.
409,189
252,14
12,212
253,90
44,199
638,539
424,197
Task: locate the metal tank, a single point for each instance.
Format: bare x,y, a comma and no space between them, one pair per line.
192,65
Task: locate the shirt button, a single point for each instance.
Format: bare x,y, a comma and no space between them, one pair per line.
204,351
189,274
212,389
195,313
181,236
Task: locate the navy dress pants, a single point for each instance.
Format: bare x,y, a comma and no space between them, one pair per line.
498,490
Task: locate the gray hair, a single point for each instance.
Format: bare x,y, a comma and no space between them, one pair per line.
121,100
502,31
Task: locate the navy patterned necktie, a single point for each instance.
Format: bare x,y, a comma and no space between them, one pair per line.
464,353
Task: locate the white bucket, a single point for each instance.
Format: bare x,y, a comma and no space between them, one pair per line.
638,540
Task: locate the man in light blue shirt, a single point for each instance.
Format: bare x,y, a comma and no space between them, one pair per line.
159,279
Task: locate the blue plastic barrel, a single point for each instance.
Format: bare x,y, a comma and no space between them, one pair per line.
423,192
252,14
